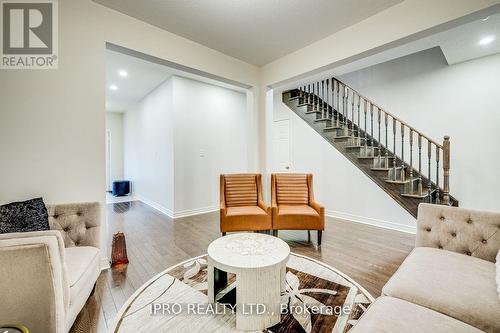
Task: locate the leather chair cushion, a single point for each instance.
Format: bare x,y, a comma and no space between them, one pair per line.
240,190
298,217
245,210
292,189
302,210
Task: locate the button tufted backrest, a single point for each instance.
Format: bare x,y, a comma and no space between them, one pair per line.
79,223
470,232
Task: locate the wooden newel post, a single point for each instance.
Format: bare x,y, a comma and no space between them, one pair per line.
446,170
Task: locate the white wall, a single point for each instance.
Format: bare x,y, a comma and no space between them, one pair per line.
458,100
344,190
52,122
149,148
178,141
114,126
210,139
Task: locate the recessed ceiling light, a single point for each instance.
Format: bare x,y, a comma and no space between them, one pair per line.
486,40
485,19
122,73
113,87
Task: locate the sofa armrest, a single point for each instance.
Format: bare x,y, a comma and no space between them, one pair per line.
466,231
79,223
34,290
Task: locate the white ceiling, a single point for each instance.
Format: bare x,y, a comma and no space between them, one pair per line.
255,31
458,44
143,76
462,43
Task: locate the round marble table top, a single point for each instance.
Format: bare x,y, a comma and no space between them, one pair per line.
248,250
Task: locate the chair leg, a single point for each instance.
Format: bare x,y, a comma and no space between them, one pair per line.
320,233
275,233
309,236
223,233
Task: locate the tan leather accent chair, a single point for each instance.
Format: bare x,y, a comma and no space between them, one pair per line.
241,204
293,204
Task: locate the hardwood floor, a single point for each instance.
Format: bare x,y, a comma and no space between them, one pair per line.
367,254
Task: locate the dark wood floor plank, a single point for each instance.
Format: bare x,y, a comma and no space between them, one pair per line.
368,254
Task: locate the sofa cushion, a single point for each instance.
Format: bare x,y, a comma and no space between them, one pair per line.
498,274
457,285
240,190
82,263
392,315
292,189
24,216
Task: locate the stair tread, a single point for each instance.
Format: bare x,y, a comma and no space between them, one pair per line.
417,196
406,181
386,169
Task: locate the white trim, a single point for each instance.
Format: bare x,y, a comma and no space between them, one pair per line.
411,229
175,215
104,263
196,211
155,205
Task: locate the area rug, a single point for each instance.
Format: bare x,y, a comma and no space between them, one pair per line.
161,305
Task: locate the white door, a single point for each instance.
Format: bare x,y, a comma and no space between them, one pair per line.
281,145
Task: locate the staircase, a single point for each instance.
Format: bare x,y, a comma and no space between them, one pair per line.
403,161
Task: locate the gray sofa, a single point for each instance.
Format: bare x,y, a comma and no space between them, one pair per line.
47,276
447,283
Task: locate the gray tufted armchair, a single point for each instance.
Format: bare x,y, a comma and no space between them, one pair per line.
47,276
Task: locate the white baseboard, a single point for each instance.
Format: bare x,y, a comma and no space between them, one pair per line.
156,206
178,214
371,221
104,263
196,211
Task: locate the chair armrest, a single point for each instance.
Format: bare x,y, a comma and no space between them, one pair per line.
264,206
471,232
34,290
317,207
79,223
